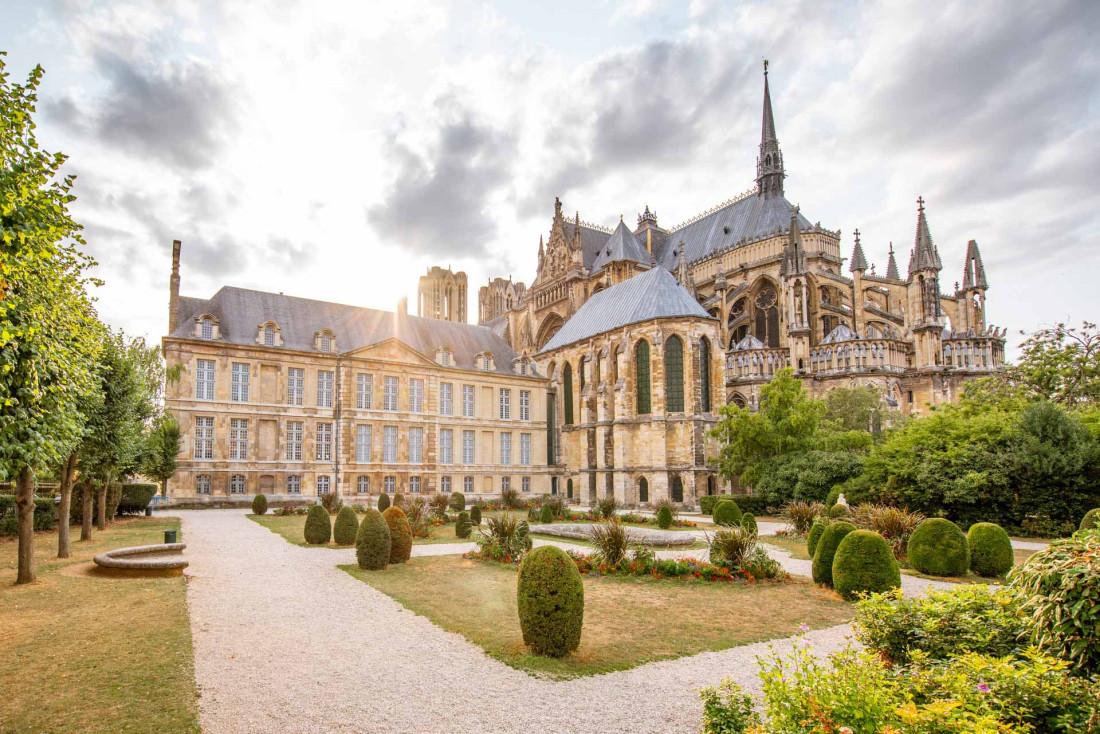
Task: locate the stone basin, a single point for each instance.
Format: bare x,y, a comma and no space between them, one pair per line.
644,536
164,559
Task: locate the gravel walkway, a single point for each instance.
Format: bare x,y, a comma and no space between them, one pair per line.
286,642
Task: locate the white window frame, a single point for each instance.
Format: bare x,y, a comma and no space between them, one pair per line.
364,389
206,328
295,385
238,385
269,335
294,432
505,484
325,380
416,445
237,484
525,449
505,404
324,484
390,390
416,395
389,444
364,436
414,485
205,371
469,401
294,484
469,447
238,439
468,485
389,484
505,449
445,484
323,442
204,437
203,484
446,445
446,398
525,484
362,484
525,405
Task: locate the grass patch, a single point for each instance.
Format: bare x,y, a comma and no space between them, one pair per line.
793,544
627,621
93,654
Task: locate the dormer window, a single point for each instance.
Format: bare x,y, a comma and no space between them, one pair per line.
445,356
324,341
485,362
269,335
206,327
524,367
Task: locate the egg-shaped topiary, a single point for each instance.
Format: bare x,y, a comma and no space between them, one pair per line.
990,549
463,528
708,501
318,528
399,500
726,513
814,535
457,501
1091,520
938,548
822,570
259,505
475,514
748,523
383,502
546,514
372,542
346,526
839,510
664,517
550,599
864,563
400,534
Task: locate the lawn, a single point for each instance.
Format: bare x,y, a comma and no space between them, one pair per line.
627,621
80,653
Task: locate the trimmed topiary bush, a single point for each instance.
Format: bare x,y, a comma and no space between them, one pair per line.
990,549
708,501
318,528
839,510
136,497
815,534
550,599
383,502
346,526
372,542
938,548
1091,520
458,501
546,514
399,500
463,528
748,523
259,505
726,513
864,562
475,514
664,517
826,550
401,540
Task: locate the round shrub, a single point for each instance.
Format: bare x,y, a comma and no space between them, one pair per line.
463,528
748,523
550,598
372,542
318,528
664,517
990,549
458,502
398,500
1091,520
726,513
826,550
938,548
864,562
383,502
839,510
546,514
475,514
259,505
401,539
708,501
346,526
815,535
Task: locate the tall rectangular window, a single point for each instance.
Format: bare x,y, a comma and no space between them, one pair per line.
468,401
414,485
446,445
362,484
416,395
238,438
324,484
525,449
362,443
389,444
505,404
293,484
416,445
445,485
505,483
467,447
294,441
446,398
525,405
324,388
295,385
525,484
204,437
389,393
505,448
467,484
204,379
239,385
324,442
202,484
364,387
389,484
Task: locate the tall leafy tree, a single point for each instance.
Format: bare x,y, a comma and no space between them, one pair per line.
857,409
1060,364
47,323
162,447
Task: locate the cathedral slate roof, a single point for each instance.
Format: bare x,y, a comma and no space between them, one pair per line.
621,245
240,312
654,294
592,240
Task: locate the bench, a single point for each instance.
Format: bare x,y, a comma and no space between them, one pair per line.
164,559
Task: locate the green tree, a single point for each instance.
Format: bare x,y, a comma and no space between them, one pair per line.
857,409
1060,364
47,324
807,475
161,455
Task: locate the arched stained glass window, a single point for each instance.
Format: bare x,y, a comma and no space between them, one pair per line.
641,377
567,393
674,375
704,373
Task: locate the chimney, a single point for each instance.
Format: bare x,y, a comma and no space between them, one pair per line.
174,288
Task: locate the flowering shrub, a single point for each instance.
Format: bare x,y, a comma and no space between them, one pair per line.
727,709
642,563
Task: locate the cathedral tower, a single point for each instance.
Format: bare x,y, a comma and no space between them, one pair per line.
769,162
925,311
974,287
441,294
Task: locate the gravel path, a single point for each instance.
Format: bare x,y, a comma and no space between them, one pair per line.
286,642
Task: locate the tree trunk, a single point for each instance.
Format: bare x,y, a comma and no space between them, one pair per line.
164,487
86,511
67,473
24,502
101,509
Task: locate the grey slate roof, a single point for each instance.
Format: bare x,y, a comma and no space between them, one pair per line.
924,255
621,245
240,312
859,260
654,294
592,240
748,218
892,265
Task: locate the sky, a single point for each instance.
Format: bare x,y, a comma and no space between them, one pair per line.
336,150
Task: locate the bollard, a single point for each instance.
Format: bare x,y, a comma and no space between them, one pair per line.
169,536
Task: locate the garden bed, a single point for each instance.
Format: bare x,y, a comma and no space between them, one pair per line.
627,622
292,528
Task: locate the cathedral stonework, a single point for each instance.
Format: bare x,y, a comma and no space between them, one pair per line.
441,294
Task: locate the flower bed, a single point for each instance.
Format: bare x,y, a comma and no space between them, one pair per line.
641,565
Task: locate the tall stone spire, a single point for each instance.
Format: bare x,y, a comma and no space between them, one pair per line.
859,260
892,265
769,162
974,272
924,255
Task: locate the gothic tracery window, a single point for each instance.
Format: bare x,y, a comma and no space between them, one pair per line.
674,375
641,377
767,316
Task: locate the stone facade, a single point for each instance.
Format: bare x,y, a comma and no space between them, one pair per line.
441,294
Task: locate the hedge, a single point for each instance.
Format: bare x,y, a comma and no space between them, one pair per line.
664,517
346,527
400,534
259,505
825,552
864,563
318,527
546,514
1091,520
938,548
708,501
76,506
990,550
457,502
45,514
814,535
475,514
372,542
463,528
135,498
726,513
550,601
